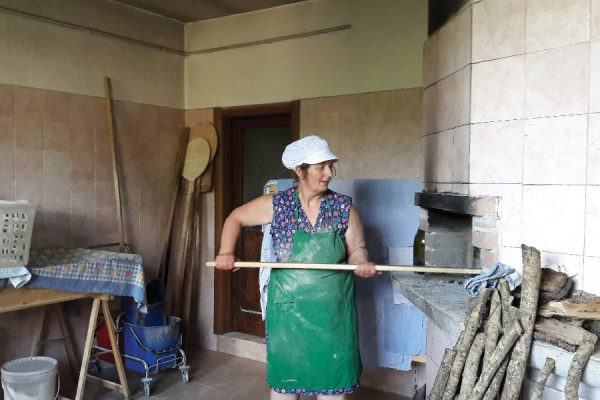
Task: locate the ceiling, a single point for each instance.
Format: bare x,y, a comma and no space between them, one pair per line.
195,10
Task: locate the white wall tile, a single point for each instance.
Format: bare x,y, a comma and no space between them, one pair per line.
497,152
593,154
498,29
460,169
595,20
510,209
455,44
555,150
437,342
557,82
498,89
591,275
554,23
595,76
570,264
453,99
513,257
553,217
592,221
444,156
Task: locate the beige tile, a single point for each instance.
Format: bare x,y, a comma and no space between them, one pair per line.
7,164
461,144
454,94
56,106
83,194
555,150
554,23
553,217
591,275
430,60
497,152
170,118
56,165
431,118
7,101
57,196
56,228
83,222
106,220
82,165
443,153
82,136
498,29
592,221
570,264
454,50
29,164
7,132
593,150
31,191
56,135
498,89
595,76
7,190
557,81
510,209
105,194
595,20
103,165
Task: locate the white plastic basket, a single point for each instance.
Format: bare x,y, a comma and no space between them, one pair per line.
16,226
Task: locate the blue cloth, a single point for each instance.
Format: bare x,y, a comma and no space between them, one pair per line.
490,279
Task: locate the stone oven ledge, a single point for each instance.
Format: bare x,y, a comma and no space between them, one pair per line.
443,300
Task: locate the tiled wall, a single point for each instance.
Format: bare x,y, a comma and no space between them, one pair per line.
512,109
54,152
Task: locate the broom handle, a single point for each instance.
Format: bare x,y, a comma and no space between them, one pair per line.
350,267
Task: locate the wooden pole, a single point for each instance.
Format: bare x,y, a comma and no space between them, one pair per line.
351,267
115,164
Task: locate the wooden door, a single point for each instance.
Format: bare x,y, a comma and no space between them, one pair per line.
258,143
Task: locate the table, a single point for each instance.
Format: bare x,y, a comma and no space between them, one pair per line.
60,275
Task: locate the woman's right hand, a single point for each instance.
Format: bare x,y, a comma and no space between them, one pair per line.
225,262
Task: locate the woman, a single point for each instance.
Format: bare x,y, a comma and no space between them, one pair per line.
312,345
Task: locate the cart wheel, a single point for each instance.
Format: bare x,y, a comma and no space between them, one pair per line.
185,377
147,389
93,368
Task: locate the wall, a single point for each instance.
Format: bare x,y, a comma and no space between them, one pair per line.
49,56
511,109
381,51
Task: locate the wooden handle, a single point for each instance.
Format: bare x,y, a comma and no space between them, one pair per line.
351,267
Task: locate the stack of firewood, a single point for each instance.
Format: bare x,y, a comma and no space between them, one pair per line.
490,357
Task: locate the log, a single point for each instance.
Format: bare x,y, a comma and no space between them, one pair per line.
574,308
500,353
540,383
530,290
471,370
559,333
506,299
496,384
442,376
472,324
493,326
564,292
552,281
580,359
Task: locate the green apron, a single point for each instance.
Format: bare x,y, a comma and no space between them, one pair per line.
311,320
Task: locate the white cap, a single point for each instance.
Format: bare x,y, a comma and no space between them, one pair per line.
308,150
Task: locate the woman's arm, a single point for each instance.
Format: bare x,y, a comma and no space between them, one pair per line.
256,212
357,247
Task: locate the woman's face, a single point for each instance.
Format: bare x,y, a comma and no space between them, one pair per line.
317,176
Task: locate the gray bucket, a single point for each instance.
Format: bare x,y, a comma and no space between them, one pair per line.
31,378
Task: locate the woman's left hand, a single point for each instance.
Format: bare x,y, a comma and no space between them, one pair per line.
366,270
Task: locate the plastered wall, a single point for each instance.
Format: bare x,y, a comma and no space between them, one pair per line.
382,50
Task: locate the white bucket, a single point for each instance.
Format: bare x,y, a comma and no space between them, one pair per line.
31,378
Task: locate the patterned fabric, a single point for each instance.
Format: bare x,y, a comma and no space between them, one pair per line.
88,271
284,225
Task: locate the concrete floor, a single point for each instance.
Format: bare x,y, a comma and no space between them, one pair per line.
213,376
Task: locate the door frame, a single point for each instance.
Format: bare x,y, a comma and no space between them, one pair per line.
223,118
